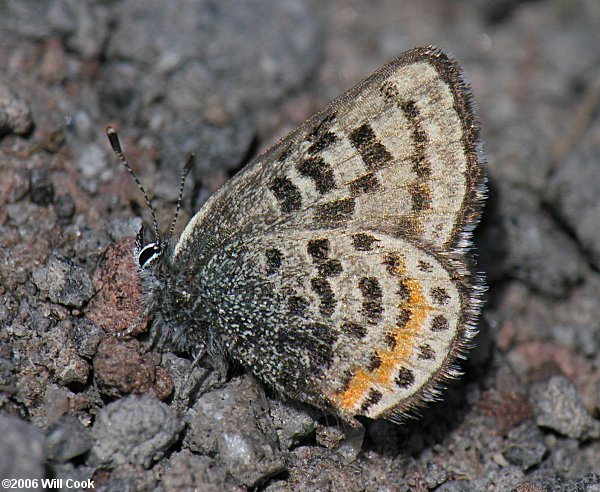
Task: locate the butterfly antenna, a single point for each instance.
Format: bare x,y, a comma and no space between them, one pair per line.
184,173
113,138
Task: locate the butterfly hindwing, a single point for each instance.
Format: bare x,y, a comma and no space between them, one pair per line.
338,314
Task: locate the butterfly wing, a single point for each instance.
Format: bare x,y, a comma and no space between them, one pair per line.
340,254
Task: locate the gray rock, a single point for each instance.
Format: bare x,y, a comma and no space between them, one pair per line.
9,307
67,439
56,403
526,446
180,371
84,25
292,422
7,374
65,207
574,323
94,164
565,459
557,405
28,19
82,129
135,429
436,475
188,381
533,248
345,441
232,423
91,243
129,478
211,66
41,188
86,336
455,486
123,228
17,182
574,190
61,18
188,471
64,282
544,476
91,29
351,446
507,478
40,319
587,483
62,357
20,213
496,10
164,37
21,450
68,471
15,114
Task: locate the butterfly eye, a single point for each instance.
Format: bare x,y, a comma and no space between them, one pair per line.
148,254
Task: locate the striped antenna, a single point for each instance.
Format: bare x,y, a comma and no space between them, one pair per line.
184,173
113,138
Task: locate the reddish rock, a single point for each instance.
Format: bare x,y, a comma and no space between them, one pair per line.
508,409
120,369
164,385
117,305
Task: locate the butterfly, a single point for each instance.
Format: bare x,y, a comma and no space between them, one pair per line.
336,267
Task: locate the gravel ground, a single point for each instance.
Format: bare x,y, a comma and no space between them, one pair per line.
225,79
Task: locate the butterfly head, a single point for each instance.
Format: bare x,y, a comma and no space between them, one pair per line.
150,260
147,255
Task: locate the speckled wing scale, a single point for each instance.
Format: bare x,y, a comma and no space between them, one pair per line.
336,267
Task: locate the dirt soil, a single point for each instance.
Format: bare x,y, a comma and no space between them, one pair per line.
225,80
